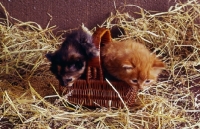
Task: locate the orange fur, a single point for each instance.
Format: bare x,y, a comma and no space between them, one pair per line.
131,62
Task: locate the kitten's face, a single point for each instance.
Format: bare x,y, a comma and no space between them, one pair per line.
67,69
68,74
139,74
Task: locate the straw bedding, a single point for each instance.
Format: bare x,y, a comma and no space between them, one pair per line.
29,97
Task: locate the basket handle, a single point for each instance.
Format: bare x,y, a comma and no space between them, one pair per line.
99,37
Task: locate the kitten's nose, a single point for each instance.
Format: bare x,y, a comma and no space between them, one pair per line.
140,87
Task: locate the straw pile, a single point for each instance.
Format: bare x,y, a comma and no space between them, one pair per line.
23,45
172,103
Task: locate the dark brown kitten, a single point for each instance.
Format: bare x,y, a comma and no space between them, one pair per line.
68,63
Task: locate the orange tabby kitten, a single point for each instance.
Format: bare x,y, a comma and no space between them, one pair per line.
131,62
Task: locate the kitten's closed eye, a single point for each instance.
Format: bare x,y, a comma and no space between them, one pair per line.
127,67
148,81
76,65
135,81
73,67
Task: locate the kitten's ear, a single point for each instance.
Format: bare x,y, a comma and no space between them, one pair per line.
85,34
157,66
86,42
90,50
86,30
49,56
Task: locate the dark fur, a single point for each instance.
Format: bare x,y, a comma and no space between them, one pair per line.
68,63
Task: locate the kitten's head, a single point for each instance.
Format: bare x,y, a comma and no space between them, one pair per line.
139,73
68,63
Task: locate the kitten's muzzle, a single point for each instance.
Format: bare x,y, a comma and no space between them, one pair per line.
66,82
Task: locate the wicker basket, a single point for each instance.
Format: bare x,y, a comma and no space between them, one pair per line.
94,90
